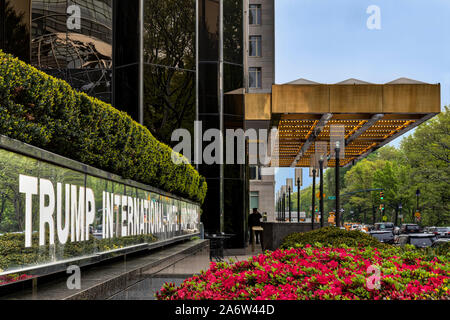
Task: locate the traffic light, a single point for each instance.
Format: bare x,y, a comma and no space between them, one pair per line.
382,195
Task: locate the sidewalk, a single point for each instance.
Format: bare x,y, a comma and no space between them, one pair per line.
241,254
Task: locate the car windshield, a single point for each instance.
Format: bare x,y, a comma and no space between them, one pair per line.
384,226
412,227
441,229
422,242
383,235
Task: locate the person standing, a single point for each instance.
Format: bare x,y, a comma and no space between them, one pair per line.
254,220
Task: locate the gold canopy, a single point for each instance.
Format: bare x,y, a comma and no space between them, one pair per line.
373,115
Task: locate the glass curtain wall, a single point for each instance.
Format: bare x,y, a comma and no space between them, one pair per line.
224,208
80,52
235,195
15,25
127,57
169,67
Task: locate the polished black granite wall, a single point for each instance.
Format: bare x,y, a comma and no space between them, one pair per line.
220,109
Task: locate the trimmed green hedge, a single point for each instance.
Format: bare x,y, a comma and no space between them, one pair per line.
331,236
46,112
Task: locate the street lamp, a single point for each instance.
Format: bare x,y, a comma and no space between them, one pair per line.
299,178
313,202
399,211
290,186
283,205
338,205
417,195
276,205
322,215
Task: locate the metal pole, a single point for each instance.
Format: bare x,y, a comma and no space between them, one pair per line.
322,218
298,200
396,215
290,214
313,202
338,204
278,208
283,209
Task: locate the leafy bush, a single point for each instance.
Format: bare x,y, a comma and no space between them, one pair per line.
320,273
46,112
331,236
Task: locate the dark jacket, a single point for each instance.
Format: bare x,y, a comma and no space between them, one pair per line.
254,220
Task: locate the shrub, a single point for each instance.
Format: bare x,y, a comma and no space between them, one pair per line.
331,236
46,112
320,273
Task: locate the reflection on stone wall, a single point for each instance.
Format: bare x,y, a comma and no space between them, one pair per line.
60,228
169,56
81,57
15,28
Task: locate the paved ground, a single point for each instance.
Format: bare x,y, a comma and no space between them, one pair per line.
241,254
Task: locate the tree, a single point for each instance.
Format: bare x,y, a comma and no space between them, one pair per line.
427,152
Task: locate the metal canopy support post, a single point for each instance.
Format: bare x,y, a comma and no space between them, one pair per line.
392,138
364,128
317,131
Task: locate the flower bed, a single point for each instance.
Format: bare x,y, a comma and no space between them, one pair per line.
314,273
11,278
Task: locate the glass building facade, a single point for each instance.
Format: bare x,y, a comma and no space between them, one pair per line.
165,63
221,106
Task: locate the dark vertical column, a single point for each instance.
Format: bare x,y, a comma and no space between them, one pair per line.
2,24
313,201
15,28
338,204
298,200
290,213
208,35
127,57
322,214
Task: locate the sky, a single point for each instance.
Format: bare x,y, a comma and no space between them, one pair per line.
328,41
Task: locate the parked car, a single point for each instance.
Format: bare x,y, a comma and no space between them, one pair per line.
440,232
427,229
385,236
419,240
384,226
409,228
440,242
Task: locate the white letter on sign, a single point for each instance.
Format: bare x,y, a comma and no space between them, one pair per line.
46,212
90,210
77,215
29,186
63,233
